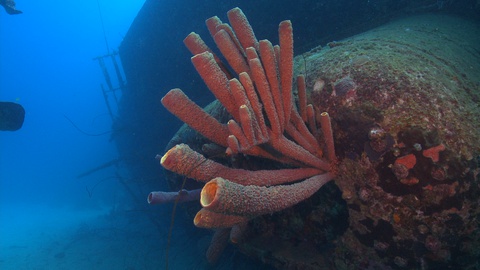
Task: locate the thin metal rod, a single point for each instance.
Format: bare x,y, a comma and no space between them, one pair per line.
103,27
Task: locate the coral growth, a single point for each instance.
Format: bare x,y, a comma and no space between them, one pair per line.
407,141
404,163
265,123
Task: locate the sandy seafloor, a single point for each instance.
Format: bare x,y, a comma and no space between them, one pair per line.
41,237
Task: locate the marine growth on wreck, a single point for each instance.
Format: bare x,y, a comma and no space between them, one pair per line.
387,122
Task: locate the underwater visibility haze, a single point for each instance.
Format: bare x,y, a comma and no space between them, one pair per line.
46,66
240,135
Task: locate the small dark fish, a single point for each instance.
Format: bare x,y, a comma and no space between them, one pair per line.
9,6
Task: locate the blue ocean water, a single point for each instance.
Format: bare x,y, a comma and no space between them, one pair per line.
50,218
46,66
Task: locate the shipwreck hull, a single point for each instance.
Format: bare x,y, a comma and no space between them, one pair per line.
404,102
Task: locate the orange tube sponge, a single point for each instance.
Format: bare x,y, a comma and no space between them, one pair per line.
223,196
326,125
242,28
293,150
269,62
190,113
196,45
183,160
208,219
216,80
229,50
285,32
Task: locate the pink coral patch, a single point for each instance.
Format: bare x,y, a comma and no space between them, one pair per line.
434,152
408,161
